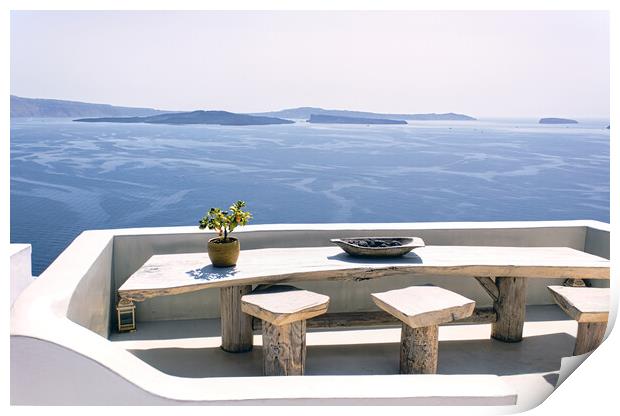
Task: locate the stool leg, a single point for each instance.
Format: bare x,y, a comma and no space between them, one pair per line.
284,349
419,348
589,336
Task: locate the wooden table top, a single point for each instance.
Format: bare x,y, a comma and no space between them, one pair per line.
170,274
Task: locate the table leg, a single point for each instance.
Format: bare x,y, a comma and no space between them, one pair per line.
510,309
236,325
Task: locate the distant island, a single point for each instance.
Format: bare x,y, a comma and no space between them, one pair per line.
555,120
304,113
42,107
324,119
222,118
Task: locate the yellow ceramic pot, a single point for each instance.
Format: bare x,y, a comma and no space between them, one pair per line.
223,254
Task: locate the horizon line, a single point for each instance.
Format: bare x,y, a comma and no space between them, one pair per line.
605,117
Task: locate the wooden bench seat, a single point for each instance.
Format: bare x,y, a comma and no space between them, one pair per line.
421,309
283,311
589,306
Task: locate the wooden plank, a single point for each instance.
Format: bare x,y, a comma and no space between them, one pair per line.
484,315
236,325
284,304
489,286
583,304
284,349
510,308
420,306
171,274
419,348
589,336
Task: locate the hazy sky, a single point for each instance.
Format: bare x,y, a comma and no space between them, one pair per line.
480,63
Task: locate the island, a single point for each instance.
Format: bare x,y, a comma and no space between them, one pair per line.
44,107
323,119
222,118
555,120
304,113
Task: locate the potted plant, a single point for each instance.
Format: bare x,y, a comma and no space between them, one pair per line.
224,250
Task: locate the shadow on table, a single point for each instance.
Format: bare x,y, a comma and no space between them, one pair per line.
212,273
410,258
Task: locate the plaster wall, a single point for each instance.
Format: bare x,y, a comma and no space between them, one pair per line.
21,269
60,353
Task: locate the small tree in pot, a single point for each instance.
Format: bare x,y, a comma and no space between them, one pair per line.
223,249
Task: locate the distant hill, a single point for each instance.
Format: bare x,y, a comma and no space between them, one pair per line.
223,118
304,113
322,118
555,120
40,107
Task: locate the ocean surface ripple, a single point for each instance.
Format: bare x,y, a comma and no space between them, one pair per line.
68,177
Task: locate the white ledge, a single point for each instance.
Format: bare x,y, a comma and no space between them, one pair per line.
366,226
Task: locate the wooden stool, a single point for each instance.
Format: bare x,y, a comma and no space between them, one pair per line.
421,309
284,310
589,306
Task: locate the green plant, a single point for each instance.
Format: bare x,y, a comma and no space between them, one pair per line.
224,222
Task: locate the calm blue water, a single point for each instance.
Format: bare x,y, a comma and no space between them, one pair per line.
68,177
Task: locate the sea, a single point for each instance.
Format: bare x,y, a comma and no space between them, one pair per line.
67,177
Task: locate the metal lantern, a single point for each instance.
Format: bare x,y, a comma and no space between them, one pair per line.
126,312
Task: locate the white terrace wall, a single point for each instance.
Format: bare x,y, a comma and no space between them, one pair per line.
59,324
134,247
91,302
21,269
597,243
77,285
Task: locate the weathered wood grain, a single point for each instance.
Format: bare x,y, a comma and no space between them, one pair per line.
489,286
171,274
283,311
485,315
421,309
421,306
284,304
583,304
589,336
419,349
236,325
510,309
284,349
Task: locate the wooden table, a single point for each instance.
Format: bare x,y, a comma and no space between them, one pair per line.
502,271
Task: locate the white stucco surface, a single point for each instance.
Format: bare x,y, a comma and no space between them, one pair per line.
21,269
60,324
